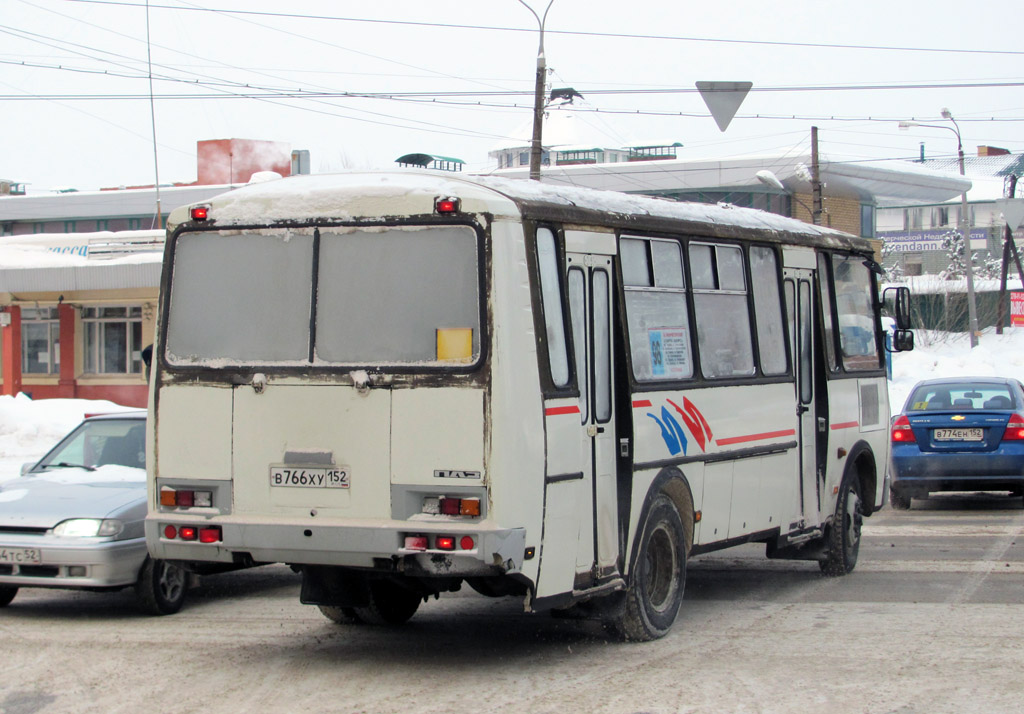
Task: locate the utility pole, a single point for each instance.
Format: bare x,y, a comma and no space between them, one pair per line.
1009,249
815,179
536,147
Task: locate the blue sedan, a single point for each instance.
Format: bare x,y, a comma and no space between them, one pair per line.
958,434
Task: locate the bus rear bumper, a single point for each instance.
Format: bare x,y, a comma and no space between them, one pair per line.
475,549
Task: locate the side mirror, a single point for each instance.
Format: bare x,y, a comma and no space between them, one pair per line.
902,341
147,359
901,306
25,468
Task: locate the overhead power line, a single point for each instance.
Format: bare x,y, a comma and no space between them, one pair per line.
578,33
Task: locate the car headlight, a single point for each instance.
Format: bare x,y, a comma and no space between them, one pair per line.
88,527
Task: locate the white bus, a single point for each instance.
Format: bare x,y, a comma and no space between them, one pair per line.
399,382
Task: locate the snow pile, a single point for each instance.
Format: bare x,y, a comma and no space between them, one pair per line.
29,428
940,354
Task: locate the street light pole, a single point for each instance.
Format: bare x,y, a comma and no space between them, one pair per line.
972,309
538,95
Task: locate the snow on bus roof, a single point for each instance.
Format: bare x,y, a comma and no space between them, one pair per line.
351,195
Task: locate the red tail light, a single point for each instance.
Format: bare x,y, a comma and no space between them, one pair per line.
445,543
1014,428
210,534
902,433
188,533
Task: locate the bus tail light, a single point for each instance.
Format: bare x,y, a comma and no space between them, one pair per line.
1014,428
902,433
210,534
415,542
185,498
450,506
187,532
467,543
199,213
445,542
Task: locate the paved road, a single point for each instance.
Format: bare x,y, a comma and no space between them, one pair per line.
931,621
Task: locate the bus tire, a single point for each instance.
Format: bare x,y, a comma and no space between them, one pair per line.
655,592
842,542
161,587
341,615
7,593
390,604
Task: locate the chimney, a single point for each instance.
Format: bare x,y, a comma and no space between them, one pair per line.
992,151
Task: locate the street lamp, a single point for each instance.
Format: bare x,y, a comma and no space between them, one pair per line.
538,95
972,311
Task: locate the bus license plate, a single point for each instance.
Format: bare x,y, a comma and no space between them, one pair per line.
297,477
20,556
958,434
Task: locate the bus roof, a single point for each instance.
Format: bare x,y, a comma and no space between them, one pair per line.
356,196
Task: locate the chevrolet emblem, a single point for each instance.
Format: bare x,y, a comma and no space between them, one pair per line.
958,417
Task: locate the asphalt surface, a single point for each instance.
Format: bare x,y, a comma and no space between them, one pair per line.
930,621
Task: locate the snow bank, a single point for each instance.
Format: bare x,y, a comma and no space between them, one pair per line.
29,428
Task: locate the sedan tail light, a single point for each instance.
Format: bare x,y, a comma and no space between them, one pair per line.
1014,428
902,433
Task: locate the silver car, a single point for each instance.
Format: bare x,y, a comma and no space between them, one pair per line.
74,518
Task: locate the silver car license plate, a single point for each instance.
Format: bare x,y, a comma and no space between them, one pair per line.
20,556
301,477
958,434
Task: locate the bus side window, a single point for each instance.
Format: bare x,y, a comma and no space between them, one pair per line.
656,315
854,309
720,305
551,296
824,282
771,340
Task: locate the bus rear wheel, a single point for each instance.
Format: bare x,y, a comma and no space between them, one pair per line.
655,592
390,604
341,615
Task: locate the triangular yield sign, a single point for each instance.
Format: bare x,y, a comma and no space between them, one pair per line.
1013,211
723,99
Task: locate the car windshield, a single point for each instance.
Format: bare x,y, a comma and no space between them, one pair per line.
100,442
932,397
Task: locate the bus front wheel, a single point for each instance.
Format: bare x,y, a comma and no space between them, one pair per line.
655,592
842,542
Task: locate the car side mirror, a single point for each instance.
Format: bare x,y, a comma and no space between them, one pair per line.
25,468
902,341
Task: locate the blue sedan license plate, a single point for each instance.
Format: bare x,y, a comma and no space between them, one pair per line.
958,434
299,477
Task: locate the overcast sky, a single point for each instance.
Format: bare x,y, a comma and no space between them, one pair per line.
74,87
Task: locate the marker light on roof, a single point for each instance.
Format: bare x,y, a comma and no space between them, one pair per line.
448,204
200,213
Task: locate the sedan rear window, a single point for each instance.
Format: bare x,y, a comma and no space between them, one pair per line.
933,397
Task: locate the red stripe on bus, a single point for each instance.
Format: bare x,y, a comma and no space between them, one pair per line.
755,437
845,425
641,403
555,411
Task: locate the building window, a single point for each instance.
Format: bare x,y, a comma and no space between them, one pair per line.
867,220
524,158
40,340
940,216
113,340
103,225
134,224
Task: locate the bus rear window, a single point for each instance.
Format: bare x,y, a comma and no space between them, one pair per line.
384,296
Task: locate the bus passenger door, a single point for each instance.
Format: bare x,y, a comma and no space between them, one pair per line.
799,293
589,282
